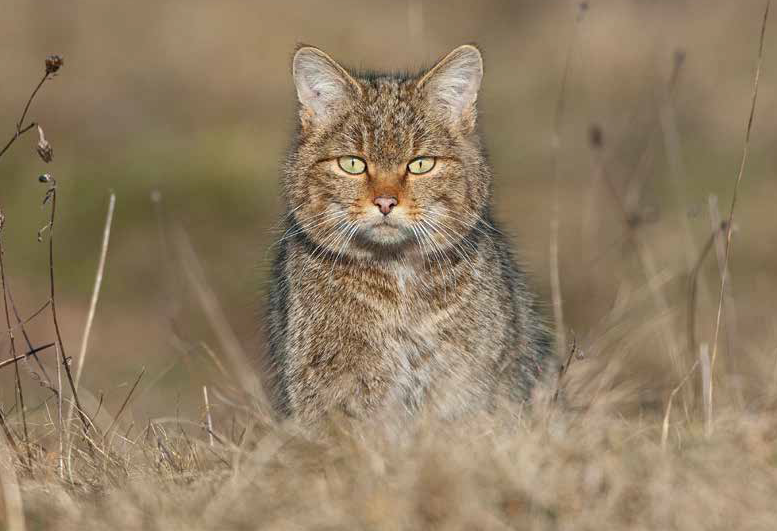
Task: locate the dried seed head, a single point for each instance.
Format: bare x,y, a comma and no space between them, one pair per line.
54,63
582,8
2,220
596,136
44,148
679,57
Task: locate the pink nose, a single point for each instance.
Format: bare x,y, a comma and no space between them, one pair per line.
385,203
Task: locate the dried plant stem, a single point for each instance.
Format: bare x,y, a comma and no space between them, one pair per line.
215,315
668,411
98,279
52,193
729,304
61,457
706,384
12,339
208,418
124,404
730,224
29,101
19,129
25,355
648,263
30,349
693,282
555,278
564,369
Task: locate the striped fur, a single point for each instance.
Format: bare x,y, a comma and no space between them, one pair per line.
421,310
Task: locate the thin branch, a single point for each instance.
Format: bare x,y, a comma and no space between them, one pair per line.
30,348
17,376
565,368
29,101
24,356
17,134
730,224
52,193
19,129
124,404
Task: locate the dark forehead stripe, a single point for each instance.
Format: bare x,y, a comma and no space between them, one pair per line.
388,124
391,116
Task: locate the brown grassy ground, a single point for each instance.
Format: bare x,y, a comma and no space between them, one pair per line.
191,103
546,470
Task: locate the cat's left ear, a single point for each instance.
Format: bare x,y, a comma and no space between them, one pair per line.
323,86
453,83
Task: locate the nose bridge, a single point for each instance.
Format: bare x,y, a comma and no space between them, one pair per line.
387,183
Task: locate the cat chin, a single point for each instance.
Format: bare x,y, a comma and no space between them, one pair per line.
384,234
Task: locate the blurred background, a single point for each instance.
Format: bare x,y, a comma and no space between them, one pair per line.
192,104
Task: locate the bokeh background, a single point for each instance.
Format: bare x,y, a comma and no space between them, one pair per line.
191,102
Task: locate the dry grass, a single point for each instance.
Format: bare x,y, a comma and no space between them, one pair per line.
627,441
546,470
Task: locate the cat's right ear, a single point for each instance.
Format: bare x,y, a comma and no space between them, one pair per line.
322,85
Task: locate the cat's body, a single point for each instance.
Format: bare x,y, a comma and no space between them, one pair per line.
393,291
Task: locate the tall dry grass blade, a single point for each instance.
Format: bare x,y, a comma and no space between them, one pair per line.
93,302
241,367
98,280
668,411
706,384
745,150
124,404
648,262
693,283
558,120
729,303
208,418
773,383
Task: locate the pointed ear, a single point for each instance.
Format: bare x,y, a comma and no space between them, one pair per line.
452,84
322,84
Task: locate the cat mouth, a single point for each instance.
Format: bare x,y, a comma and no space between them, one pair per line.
387,232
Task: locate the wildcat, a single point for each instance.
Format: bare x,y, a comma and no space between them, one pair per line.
393,291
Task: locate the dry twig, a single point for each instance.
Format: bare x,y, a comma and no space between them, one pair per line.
555,279
730,224
51,196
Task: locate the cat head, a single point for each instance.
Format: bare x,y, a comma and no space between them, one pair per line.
387,163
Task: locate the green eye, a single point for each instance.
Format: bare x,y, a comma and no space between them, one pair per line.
352,165
421,165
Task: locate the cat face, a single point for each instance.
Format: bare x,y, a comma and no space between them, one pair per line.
387,164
